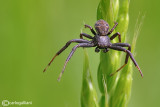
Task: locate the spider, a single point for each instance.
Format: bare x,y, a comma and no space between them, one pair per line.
101,40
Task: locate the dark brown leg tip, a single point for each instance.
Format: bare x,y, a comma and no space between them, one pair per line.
44,70
139,71
111,74
142,75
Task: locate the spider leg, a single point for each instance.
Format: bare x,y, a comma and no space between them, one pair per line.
112,28
127,55
119,48
92,30
97,49
64,47
72,52
124,45
115,35
86,35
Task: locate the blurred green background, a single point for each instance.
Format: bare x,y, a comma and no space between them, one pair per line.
32,31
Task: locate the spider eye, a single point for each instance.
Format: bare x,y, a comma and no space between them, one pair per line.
97,24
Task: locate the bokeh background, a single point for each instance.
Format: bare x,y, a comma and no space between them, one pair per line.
32,31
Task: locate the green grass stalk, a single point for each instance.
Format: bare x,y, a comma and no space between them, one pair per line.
114,11
88,94
115,90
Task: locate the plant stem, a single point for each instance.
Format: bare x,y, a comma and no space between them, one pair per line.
111,11
88,94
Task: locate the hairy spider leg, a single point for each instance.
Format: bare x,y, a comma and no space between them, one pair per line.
112,28
71,53
85,35
92,30
119,48
64,47
115,35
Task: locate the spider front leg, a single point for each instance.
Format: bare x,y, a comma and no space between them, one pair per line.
119,48
92,30
71,53
86,35
112,28
115,35
64,47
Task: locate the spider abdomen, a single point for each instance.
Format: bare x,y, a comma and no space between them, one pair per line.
103,41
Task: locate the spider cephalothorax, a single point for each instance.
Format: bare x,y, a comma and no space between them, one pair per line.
101,40
102,27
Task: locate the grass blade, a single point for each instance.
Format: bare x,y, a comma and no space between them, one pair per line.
88,94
